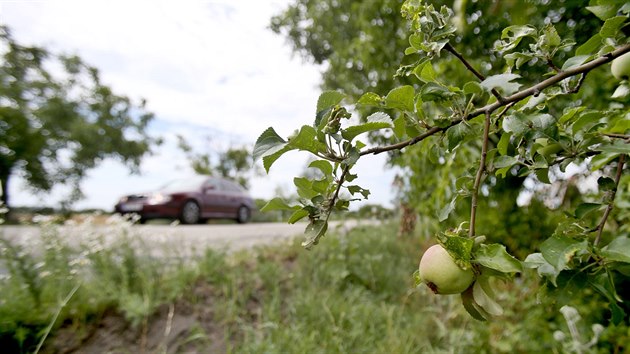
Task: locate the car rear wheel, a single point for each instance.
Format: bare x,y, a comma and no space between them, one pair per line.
191,213
243,215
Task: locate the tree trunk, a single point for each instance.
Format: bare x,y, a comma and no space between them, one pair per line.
4,188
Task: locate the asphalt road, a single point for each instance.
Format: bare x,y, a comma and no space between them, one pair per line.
180,240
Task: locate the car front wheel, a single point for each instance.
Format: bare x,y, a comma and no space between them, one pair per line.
191,213
243,215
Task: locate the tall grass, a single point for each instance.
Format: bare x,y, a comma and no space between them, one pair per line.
353,293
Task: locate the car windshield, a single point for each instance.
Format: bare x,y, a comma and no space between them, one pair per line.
184,184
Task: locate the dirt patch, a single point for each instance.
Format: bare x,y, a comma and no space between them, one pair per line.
180,327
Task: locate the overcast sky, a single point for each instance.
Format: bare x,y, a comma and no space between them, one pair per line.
207,69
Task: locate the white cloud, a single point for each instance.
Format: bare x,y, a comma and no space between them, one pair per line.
205,67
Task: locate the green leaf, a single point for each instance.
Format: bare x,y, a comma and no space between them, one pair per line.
433,91
297,216
502,82
306,140
602,160
471,307
543,175
514,35
267,143
447,209
401,98
376,121
544,268
473,88
370,99
617,146
589,47
483,295
585,208
612,26
456,134
459,248
278,204
575,61
618,250
399,127
606,184
357,189
314,231
603,12
304,187
328,99
322,165
495,256
504,143
504,161
560,250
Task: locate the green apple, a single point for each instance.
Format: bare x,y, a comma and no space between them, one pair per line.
441,274
621,67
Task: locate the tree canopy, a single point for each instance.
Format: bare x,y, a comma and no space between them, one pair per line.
488,96
58,120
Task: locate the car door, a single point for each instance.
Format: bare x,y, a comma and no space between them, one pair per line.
214,200
233,195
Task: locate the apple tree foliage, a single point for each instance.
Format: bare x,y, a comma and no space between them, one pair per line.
506,125
58,120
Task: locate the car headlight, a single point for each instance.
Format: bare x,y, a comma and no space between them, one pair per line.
158,198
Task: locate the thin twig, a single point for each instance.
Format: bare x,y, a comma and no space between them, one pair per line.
342,178
617,136
600,227
533,90
470,68
480,171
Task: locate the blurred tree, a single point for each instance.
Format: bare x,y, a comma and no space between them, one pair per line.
57,120
233,163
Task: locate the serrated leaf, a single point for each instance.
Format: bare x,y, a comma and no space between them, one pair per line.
502,82
376,121
278,204
495,256
370,99
328,99
401,98
612,26
297,216
314,231
618,250
267,143
585,208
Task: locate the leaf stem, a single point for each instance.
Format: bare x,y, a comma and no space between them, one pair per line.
480,171
600,226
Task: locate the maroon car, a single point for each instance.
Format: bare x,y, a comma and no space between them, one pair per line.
192,200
